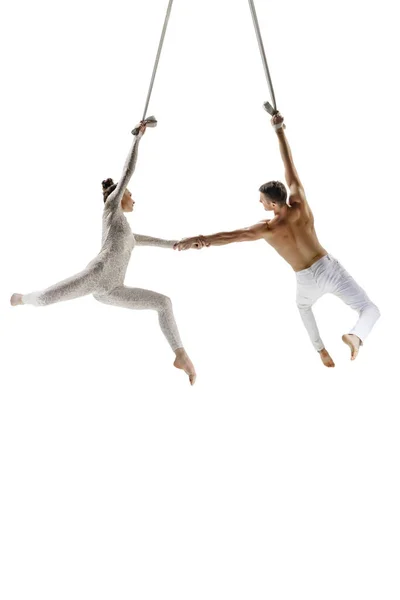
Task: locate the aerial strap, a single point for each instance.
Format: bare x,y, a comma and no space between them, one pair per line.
271,109
151,120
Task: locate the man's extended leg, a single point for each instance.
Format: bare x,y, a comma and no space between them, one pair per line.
310,324
83,283
308,292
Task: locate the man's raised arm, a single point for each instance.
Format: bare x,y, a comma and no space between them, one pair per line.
291,175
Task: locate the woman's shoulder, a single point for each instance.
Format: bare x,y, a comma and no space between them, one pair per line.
112,209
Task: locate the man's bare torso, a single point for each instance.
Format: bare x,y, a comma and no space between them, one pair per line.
293,237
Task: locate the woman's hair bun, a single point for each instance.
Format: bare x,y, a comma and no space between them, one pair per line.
106,183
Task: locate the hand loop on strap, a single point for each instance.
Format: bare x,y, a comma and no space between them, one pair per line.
149,122
270,109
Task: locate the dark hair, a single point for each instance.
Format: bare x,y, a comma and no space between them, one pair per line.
275,190
108,186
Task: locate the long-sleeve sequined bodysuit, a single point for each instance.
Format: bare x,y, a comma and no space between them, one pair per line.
104,276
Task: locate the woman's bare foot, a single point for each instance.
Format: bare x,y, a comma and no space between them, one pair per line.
354,343
16,299
183,362
326,358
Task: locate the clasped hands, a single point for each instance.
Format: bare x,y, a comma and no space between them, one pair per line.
197,243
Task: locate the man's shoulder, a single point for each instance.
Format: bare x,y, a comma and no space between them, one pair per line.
263,225
300,214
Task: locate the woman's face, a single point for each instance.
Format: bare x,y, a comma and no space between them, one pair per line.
127,202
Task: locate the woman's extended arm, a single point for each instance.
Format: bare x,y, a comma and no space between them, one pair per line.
147,240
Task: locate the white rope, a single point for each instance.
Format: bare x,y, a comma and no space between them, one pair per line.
160,45
271,109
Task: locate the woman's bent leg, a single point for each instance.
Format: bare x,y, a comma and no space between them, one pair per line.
140,299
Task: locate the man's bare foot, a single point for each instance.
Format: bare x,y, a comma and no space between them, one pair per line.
16,299
326,358
354,343
183,362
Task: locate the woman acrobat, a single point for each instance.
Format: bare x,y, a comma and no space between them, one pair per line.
104,275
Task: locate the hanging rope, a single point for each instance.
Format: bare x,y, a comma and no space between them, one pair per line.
160,45
271,109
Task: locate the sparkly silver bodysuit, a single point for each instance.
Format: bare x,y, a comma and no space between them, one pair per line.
104,276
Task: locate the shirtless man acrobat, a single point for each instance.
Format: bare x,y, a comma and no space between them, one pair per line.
291,232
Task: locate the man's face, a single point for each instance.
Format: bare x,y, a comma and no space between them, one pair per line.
267,204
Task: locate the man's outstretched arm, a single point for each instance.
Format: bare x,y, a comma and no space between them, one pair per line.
248,234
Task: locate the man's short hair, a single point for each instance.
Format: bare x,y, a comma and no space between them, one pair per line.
275,191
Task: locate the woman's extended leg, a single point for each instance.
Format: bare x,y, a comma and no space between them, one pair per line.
140,299
78,285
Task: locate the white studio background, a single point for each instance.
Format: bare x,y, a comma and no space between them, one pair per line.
273,477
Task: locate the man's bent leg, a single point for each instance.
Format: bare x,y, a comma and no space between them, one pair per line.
354,296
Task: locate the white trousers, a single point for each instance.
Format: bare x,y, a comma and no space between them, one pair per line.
327,276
